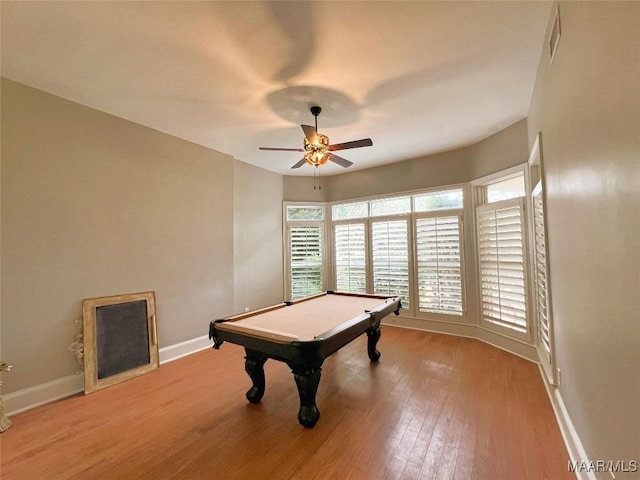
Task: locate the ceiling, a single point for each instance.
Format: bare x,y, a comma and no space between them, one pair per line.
416,77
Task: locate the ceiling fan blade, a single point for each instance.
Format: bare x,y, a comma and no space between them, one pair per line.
300,163
310,133
343,162
365,142
282,149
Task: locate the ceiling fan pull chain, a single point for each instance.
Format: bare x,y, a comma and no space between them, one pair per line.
316,176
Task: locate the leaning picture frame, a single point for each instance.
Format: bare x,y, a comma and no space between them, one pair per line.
120,339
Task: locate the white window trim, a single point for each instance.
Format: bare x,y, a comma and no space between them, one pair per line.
390,218
442,188
437,315
479,198
334,273
412,312
303,223
479,184
494,325
548,362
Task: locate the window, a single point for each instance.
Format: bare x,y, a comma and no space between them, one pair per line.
501,259
373,249
390,259
512,187
306,266
390,206
430,202
295,212
439,265
541,276
347,211
305,250
350,257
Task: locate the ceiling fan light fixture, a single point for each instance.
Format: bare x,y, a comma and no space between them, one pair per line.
317,153
318,149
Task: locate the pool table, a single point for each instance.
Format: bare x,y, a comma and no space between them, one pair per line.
302,334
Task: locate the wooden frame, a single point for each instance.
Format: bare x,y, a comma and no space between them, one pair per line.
122,315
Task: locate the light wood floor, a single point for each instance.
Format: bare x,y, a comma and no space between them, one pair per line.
435,407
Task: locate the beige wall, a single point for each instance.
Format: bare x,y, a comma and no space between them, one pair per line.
258,264
94,205
499,152
300,189
587,106
432,171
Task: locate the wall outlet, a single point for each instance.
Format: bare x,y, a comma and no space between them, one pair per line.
246,309
558,376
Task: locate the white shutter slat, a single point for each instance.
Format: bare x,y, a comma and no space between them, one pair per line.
541,274
305,256
390,258
501,256
350,257
439,265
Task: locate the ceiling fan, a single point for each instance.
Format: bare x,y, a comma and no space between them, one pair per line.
317,148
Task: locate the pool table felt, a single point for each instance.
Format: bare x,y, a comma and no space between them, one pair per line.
305,320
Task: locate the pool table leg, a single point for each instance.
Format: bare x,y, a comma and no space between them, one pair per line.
373,335
307,381
254,366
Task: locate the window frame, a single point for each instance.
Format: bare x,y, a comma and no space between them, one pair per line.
480,199
407,217
411,216
536,174
510,203
334,273
461,235
286,235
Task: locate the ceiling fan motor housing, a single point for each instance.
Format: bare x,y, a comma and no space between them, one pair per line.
317,153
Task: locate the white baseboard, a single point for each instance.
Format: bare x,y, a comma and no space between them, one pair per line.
182,349
516,347
31,397
37,395
575,449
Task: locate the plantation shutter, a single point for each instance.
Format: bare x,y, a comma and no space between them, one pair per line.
390,258
350,257
305,255
501,252
439,265
542,301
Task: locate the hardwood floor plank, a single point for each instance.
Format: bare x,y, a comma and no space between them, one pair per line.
435,406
